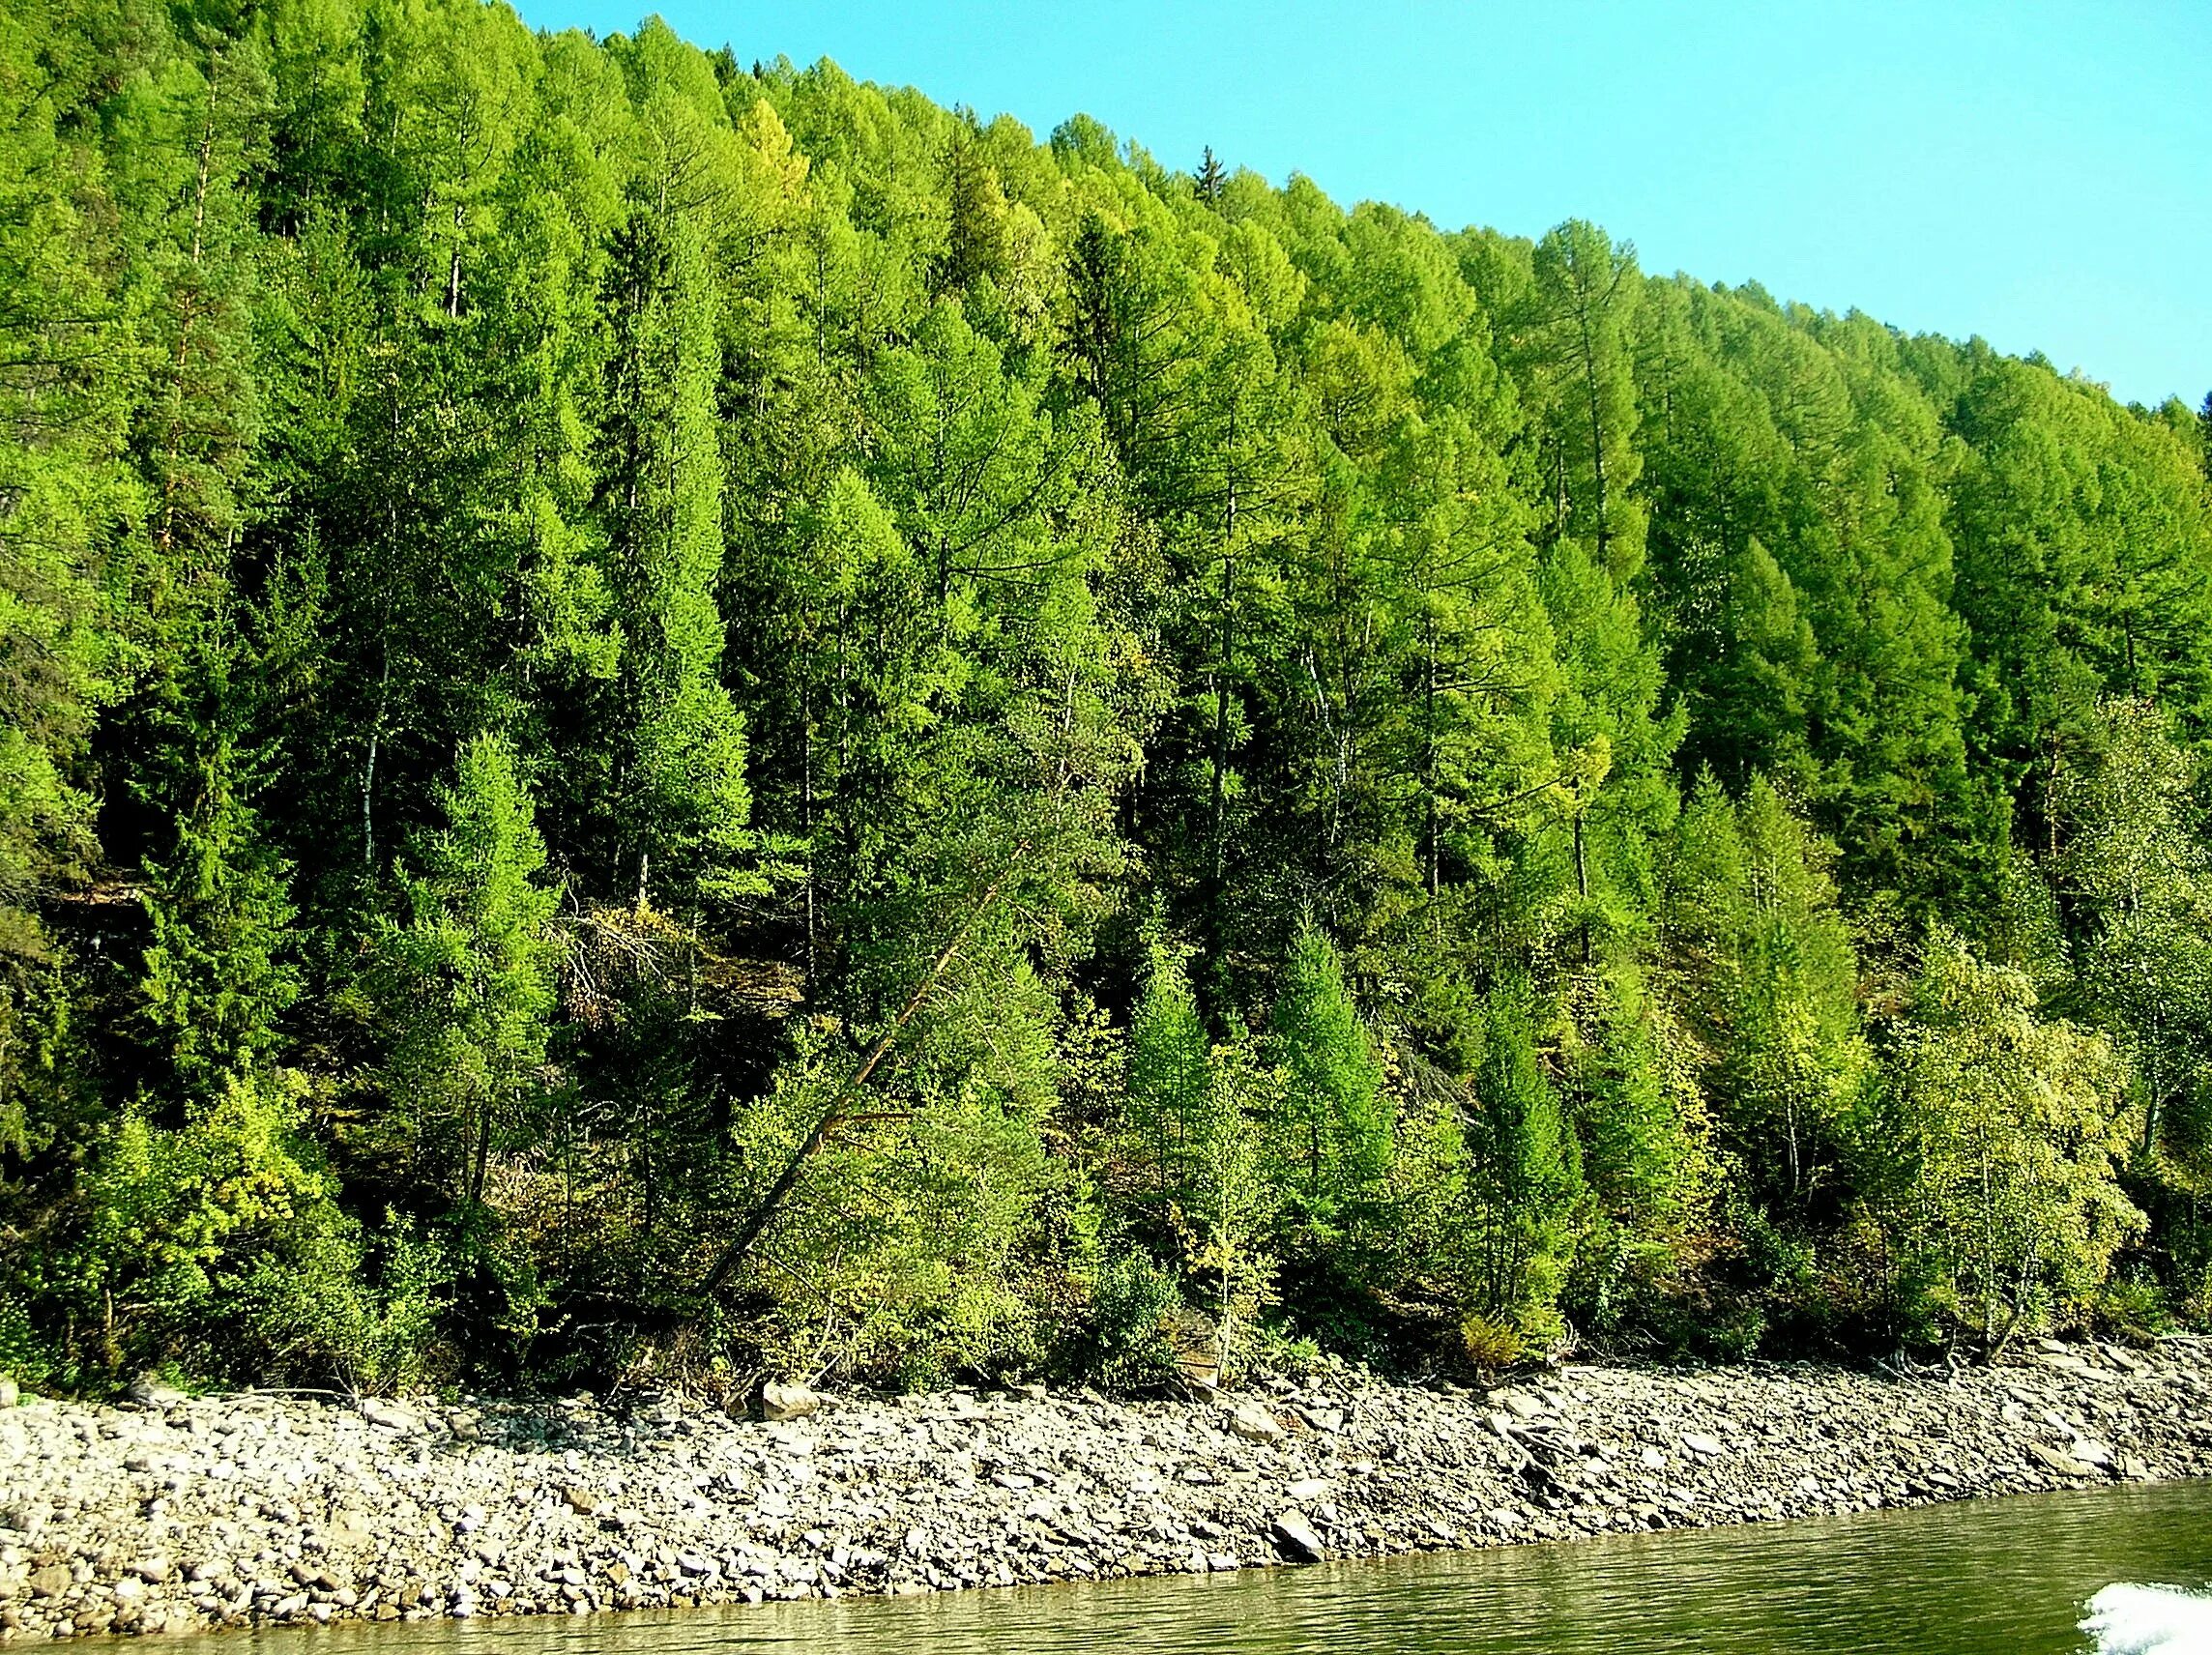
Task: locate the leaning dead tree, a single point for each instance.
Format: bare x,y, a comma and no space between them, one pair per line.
840,1107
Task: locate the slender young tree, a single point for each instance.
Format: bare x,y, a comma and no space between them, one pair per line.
1331,1142
470,975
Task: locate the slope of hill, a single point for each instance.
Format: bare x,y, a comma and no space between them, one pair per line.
668,713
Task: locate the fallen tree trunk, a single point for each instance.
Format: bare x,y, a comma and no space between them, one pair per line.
763,1210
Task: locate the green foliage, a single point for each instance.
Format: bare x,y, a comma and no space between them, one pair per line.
1492,1345
217,979
1133,1309
1333,1134
1572,327
681,779
1166,1090
183,1243
1523,1191
1229,1208
2010,1131
2136,874
1195,1133
1645,1130
1772,983
471,976
370,1319
906,1248
613,673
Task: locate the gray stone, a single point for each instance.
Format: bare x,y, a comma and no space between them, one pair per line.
2065,1464
389,1414
147,1391
717,1509
1521,1404
1255,1423
787,1400
1295,1539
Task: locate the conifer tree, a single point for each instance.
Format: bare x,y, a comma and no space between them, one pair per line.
1525,1189
976,231
680,785
1211,177
1573,329
1167,1079
901,555
217,973
470,975
1332,1140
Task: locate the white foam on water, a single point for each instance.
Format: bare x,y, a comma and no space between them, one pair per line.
2127,1619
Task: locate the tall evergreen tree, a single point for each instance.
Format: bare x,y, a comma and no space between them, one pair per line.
680,792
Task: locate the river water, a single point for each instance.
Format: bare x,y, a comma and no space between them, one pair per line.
1983,1578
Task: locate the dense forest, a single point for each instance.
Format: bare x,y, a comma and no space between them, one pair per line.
673,714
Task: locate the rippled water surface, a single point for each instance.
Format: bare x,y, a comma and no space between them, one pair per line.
1986,1578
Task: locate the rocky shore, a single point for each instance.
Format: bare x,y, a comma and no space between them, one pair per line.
186,1513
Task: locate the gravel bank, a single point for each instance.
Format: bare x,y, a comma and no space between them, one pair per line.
188,1514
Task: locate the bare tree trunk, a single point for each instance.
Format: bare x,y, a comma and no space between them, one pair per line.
454,277
1581,882
482,1154
1218,828
369,770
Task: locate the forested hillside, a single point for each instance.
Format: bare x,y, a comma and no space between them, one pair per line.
665,713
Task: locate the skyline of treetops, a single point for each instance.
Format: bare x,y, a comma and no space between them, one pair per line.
667,713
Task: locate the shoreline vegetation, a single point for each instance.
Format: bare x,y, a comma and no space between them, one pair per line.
187,1514
670,721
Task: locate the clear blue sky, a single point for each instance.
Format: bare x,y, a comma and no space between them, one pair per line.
2040,174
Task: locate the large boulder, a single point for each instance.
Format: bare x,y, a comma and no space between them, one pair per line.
1294,1538
390,1415
149,1392
794,1401
1255,1423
